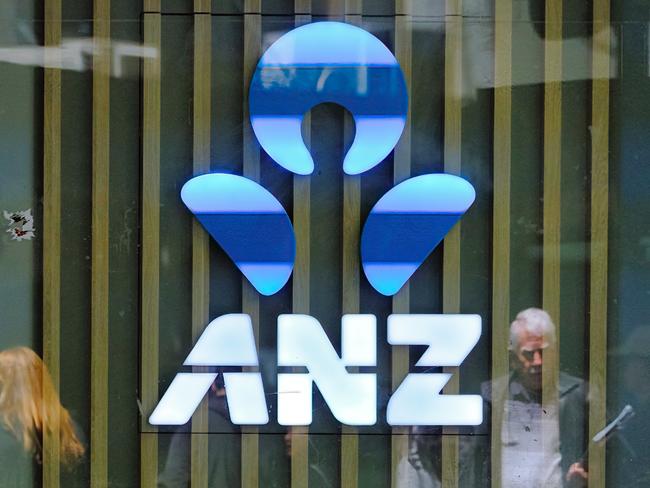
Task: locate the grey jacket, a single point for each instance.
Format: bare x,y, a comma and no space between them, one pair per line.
572,405
475,454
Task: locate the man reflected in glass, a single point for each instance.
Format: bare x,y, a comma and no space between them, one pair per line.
539,415
541,425
224,446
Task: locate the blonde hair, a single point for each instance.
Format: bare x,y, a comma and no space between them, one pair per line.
30,406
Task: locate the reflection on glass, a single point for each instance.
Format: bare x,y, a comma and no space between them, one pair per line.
316,473
29,406
541,434
223,449
630,442
542,442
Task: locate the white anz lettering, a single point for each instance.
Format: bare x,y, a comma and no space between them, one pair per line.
226,341
417,401
352,397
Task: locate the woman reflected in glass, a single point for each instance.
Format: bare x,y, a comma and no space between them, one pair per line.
29,409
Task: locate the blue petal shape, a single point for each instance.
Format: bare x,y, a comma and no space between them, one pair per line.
249,224
407,224
328,62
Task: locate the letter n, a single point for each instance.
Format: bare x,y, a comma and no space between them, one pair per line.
352,397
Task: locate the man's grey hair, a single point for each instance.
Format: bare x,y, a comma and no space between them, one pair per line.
535,321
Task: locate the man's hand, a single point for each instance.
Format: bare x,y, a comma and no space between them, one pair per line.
576,472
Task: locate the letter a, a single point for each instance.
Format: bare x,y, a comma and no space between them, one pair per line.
226,341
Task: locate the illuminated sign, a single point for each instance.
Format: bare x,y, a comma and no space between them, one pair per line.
313,64
407,223
328,62
248,223
226,341
352,397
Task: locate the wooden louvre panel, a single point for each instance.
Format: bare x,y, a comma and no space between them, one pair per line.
150,271
250,298
199,445
451,284
600,130
301,271
52,234
401,172
99,359
501,217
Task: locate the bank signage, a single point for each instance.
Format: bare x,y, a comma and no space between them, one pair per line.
313,64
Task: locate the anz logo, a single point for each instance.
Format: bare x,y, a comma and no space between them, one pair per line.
313,64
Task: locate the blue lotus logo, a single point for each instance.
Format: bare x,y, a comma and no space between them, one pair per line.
313,64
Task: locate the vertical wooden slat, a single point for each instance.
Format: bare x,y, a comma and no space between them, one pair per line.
52,234
599,237
251,153
351,224
99,361
351,269
202,7
200,241
501,220
401,171
552,158
301,225
250,441
552,203
301,273
451,256
150,244
152,6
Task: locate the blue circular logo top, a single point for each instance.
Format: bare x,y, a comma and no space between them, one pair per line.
328,62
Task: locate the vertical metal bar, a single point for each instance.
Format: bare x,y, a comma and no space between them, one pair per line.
552,200
52,231
501,219
200,242
150,244
451,256
601,45
251,152
301,273
351,270
100,243
402,171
